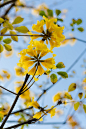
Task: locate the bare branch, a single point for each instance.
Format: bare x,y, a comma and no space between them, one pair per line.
6,3
8,90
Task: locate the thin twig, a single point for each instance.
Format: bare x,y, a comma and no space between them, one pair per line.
29,82
53,84
28,87
7,11
76,39
24,6
6,3
14,103
41,35
20,35
29,121
8,90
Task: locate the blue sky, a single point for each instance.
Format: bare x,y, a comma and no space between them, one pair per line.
67,55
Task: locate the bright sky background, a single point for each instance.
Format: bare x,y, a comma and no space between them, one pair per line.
67,55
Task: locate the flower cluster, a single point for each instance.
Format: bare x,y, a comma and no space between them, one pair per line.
42,111
53,32
32,58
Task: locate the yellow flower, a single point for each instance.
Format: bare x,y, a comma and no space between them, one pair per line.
45,111
4,75
1,77
26,94
52,111
32,56
34,104
53,32
57,96
4,109
39,26
84,81
38,115
19,71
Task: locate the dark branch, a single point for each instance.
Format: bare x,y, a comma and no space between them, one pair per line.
42,36
7,11
14,103
6,3
76,39
8,90
53,84
26,122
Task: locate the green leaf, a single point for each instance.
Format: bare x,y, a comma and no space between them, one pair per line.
60,65
42,13
67,95
22,29
8,47
63,74
76,105
7,41
53,78
1,20
72,87
1,48
80,95
8,25
1,117
59,19
74,21
84,107
1,37
4,30
50,12
79,21
71,24
18,20
57,11
81,29
72,29
85,95
15,38
47,72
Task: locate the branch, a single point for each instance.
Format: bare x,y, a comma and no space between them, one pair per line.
24,6
26,122
76,39
41,36
7,11
8,90
5,3
41,123
14,103
66,71
20,35
53,84
34,119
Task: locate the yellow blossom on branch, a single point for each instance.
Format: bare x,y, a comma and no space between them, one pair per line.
4,109
33,56
34,104
53,32
58,96
4,75
38,115
52,111
26,94
19,71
